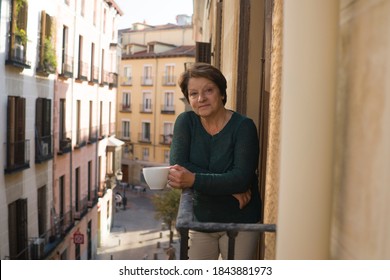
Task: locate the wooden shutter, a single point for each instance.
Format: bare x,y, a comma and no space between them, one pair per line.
17,228
20,130
46,117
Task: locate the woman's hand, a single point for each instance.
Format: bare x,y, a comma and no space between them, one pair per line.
180,178
243,198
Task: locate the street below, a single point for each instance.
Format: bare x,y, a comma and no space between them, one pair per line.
136,234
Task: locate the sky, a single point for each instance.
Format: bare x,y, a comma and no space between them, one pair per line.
153,12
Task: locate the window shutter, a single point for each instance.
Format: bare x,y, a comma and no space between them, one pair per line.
38,117
46,120
203,52
42,46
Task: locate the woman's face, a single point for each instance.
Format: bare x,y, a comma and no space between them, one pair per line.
204,96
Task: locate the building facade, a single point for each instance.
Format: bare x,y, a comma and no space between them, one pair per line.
149,97
59,156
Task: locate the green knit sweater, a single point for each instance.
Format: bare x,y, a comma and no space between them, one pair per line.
223,164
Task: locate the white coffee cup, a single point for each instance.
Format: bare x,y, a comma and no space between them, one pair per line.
156,177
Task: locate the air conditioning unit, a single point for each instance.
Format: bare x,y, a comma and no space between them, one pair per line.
45,149
38,249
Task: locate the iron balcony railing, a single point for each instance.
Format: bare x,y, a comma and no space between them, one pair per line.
43,148
17,156
185,222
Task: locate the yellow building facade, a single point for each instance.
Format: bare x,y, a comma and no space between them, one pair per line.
149,97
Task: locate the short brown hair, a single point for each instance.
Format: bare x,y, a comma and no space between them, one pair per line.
203,70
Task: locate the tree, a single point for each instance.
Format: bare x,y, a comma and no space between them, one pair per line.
166,204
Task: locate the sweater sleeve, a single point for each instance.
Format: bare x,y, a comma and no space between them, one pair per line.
181,142
242,173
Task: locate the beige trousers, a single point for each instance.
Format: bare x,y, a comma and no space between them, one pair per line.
212,246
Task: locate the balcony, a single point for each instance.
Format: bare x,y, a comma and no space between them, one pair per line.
92,198
83,72
127,81
169,80
111,129
124,135
185,222
94,75
65,145
105,78
146,81
168,109
145,138
92,135
166,139
17,57
146,108
81,208
113,80
17,156
67,67
39,248
81,138
125,108
43,148
103,131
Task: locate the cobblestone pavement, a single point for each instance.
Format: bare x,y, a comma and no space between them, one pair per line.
136,234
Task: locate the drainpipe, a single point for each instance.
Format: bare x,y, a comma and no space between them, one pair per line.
309,69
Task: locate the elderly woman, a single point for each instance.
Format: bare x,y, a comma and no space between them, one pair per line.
215,152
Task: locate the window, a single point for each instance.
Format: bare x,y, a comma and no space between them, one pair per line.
166,156
104,20
147,102
17,230
147,76
203,52
169,78
42,213
168,133
82,67
145,154
47,52
82,9
168,106
77,190
94,69
90,194
126,129
94,12
18,35
103,79
127,75
67,61
126,102
145,135
64,137
18,148
43,136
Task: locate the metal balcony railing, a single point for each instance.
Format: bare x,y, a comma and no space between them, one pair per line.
168,109
125,107
169,80
65,145
185,222
81,137
43,148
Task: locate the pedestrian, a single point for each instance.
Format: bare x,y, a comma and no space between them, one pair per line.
215,152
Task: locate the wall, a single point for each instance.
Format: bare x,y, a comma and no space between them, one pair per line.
361,227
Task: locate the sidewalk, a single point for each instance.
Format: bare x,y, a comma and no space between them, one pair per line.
136,234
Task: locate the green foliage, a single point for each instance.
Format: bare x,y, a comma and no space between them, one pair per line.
167,205
21,36
49,57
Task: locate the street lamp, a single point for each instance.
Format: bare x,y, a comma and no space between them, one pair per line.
119,176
